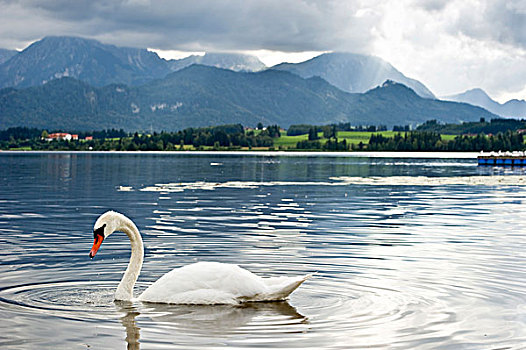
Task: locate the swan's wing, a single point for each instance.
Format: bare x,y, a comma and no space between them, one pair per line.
192,297
205,283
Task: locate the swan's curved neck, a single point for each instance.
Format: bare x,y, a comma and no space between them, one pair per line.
125,288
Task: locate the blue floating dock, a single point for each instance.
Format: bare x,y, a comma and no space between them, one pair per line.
502,160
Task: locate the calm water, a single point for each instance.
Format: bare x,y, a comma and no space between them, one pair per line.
409,253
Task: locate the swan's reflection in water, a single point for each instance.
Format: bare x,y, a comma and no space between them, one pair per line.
209,320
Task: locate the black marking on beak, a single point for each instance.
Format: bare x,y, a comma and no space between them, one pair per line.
98,236
99,232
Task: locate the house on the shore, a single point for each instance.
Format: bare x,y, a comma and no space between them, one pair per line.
62,136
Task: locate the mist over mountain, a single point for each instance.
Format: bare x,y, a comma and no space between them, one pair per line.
6,54
232,61
201,96
514,108
478,97
353,72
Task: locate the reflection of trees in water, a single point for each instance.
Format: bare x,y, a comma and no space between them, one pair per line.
201,319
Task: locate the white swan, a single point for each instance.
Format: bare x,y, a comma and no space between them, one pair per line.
199,283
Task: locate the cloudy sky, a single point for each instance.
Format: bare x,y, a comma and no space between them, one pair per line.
449,45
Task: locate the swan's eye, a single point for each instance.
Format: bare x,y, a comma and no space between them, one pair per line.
99,232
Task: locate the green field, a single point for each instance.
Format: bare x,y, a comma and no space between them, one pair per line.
448,137
352,137
289,141
355,137
20,149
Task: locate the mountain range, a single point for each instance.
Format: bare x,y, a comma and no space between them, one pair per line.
353,72
333,87
88,60
201,96
478,97
100,64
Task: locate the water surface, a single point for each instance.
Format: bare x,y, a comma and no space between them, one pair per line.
423,253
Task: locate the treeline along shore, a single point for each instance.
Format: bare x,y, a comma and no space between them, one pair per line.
493,135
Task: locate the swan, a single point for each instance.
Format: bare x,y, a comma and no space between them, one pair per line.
199,283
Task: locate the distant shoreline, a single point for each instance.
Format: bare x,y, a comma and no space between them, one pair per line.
354,154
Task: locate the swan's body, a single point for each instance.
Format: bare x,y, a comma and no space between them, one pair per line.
216,283
199,283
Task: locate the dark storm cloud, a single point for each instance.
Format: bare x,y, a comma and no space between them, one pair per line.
288,25
502,21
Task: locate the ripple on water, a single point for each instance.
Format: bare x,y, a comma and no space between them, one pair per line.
69,299
329,306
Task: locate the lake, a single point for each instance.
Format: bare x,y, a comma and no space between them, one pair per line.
420,251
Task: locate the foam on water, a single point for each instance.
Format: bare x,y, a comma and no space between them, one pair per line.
495,180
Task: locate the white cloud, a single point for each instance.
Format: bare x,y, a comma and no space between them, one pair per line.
176,54
431,43
271,58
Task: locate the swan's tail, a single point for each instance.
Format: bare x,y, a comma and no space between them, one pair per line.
279,288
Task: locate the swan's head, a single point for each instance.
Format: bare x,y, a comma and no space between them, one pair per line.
105,225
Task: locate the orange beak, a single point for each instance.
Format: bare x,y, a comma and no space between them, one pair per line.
96,245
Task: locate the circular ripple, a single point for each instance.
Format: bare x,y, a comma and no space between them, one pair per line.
323,305
71,299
